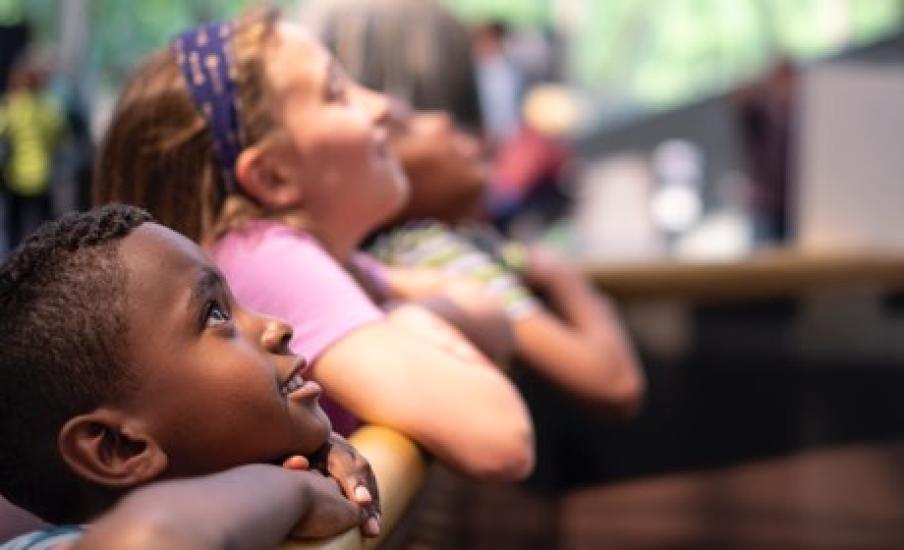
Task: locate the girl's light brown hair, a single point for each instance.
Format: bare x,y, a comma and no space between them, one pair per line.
159,153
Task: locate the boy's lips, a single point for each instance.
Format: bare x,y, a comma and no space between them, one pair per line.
295,381
306,390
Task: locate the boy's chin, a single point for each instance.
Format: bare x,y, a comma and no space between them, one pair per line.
308,443
325,421
316,437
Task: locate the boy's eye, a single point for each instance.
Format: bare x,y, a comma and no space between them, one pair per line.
216,315
336,87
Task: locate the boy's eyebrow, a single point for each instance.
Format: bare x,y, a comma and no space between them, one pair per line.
209,282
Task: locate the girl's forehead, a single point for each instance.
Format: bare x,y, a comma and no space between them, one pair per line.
297,55
293,31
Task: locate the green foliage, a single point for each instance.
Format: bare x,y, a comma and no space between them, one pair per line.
658,53
127,31
647,53
123,31
521,12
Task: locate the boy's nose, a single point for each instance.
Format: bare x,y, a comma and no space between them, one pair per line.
434,123
378,106
276,335
400,117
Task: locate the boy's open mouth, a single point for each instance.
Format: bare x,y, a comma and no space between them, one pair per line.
295,380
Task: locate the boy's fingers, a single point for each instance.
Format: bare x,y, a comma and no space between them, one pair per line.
371,527
296,462
350,514
355,489
362,495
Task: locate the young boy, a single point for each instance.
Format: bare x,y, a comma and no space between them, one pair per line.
126,362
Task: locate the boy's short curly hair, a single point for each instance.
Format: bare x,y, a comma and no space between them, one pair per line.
62,334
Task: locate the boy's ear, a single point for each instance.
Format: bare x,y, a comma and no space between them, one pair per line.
263,176
105,448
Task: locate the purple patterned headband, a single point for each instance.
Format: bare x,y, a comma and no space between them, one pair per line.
203,55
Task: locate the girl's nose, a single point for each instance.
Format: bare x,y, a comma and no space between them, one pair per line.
276,335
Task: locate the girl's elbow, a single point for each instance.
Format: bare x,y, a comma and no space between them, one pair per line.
509,456
519,457
521,464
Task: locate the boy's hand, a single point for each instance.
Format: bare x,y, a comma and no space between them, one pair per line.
341,461
330,513
545,267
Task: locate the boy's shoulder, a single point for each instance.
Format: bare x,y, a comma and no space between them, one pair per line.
55,538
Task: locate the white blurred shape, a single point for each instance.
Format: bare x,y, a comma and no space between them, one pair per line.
725,235
850,160
675,208
612,216
678,161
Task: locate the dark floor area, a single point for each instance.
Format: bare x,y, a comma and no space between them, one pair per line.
742,444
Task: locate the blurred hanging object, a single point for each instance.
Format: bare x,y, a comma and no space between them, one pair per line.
676,205
612,214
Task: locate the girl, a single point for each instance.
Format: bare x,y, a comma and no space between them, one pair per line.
416,50
249,138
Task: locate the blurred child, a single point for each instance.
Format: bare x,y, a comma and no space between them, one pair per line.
563,328
127,363
31,126
249,138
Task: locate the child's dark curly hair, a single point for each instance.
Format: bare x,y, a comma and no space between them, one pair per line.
62,336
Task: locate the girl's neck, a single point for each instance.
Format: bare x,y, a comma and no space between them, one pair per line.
340,243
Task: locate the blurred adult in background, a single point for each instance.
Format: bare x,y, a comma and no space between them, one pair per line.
525,194
31,126
500,83
764,109
563,328
13,39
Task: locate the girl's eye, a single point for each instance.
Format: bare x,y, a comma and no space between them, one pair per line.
216,315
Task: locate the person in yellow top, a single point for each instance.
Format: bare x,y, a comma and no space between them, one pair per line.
31,126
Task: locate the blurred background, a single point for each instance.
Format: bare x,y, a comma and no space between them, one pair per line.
729,171
694,101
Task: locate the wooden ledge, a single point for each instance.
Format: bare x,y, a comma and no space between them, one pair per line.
772,273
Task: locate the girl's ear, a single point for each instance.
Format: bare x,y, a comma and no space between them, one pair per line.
265,179
104,447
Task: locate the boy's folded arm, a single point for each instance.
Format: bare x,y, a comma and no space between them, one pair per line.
598,368
583,348
248,507
465,413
